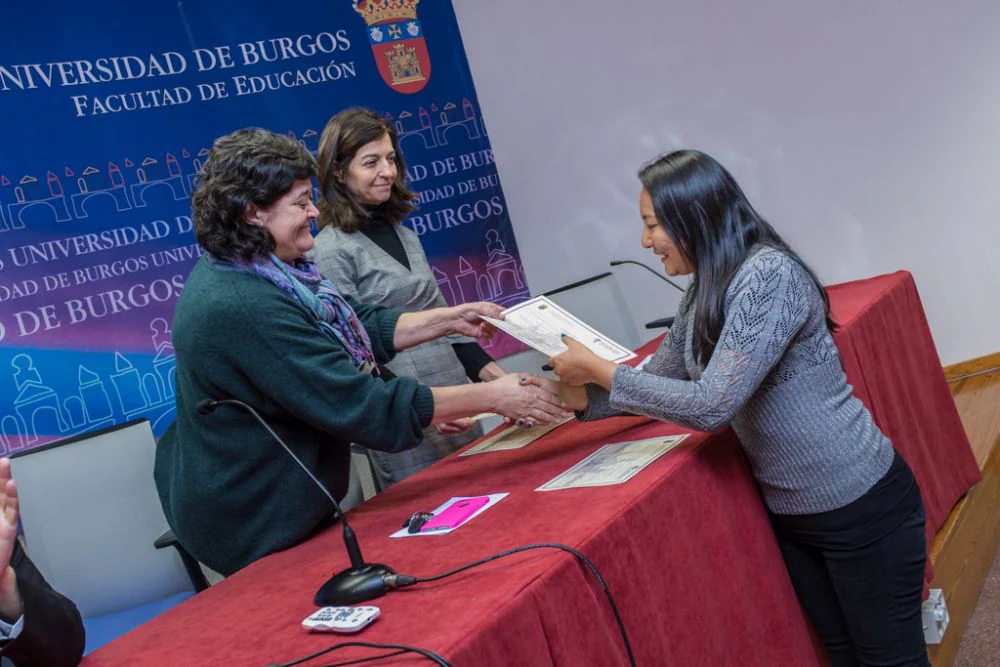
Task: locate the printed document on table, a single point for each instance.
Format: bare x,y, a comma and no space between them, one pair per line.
539,322
613,464
514,437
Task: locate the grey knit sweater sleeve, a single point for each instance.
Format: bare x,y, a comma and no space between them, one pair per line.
776,375
766,305
667,361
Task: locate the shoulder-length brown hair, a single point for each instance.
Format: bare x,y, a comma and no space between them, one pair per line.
343,137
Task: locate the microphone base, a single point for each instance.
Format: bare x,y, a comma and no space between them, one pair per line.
352,586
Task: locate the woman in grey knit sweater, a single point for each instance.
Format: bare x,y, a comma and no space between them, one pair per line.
751,347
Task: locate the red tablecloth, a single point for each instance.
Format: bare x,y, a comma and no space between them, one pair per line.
685,546
891,361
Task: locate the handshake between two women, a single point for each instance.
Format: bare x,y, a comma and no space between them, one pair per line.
521,398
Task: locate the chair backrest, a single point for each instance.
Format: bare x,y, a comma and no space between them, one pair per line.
90,514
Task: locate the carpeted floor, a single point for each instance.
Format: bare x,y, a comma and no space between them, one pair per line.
981,644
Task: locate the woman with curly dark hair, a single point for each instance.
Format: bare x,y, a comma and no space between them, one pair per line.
256,322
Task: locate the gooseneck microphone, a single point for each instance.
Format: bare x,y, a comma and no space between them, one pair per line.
361,581
619,262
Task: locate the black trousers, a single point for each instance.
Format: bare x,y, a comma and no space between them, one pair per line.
859,572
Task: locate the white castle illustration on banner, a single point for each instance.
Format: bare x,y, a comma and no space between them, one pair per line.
502,282
434,126
129,186
39,410
92,184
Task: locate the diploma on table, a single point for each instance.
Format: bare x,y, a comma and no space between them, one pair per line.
514,437
540,323
614,464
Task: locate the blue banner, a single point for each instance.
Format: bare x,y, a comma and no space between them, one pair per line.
106,116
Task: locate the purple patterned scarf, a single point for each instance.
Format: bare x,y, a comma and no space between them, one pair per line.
302,281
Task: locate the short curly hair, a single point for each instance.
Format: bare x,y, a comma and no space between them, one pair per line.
250,166
344,135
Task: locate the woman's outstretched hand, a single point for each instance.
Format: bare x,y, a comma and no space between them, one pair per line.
578,365
455,427
466,319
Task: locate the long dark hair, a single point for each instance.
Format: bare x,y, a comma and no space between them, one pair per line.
344,135
708,217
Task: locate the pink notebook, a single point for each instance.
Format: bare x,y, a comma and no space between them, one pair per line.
455,515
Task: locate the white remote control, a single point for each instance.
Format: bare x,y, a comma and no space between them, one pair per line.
341,619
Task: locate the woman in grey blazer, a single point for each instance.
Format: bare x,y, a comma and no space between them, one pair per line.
368,254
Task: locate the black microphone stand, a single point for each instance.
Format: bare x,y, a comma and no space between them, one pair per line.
663,321
361,581
619,262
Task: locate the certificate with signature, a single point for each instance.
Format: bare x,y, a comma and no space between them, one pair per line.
540,323
613,464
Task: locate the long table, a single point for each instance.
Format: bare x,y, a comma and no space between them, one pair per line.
686,545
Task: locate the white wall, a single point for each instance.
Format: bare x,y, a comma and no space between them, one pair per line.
866,131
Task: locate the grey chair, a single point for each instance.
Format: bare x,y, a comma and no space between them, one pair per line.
91,516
